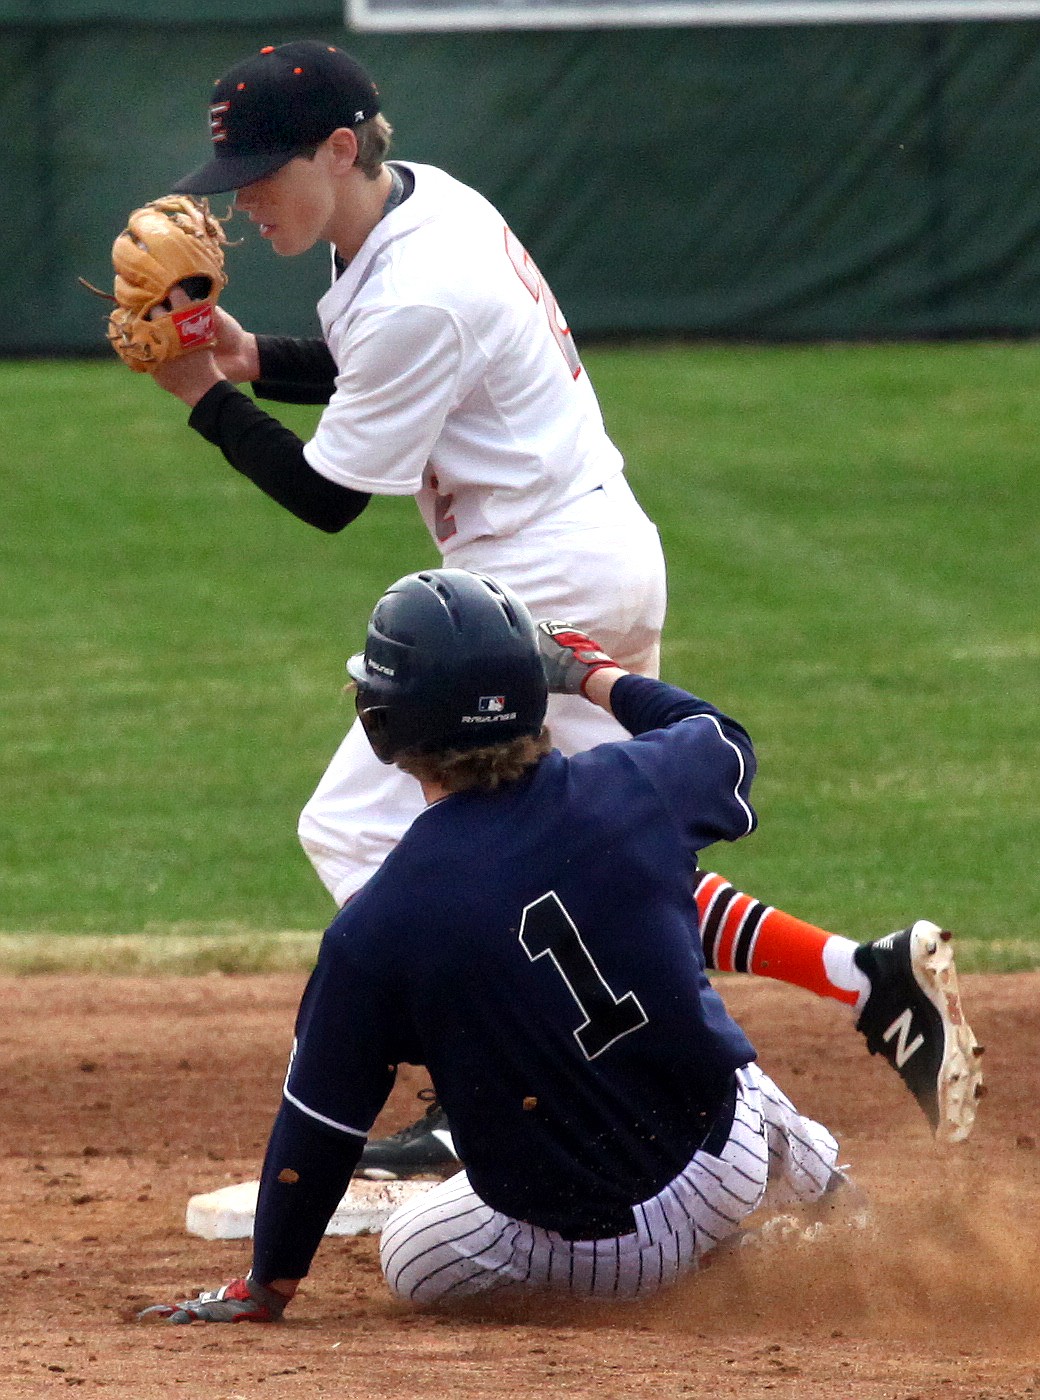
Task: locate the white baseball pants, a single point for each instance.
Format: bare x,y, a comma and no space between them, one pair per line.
447,1244
597,563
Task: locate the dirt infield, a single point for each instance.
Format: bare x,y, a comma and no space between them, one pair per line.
123,1097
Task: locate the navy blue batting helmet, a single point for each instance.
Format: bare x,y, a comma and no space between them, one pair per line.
450,662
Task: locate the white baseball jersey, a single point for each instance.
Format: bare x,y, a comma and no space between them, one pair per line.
459,384
458,379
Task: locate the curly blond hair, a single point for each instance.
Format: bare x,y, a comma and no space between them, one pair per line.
486,768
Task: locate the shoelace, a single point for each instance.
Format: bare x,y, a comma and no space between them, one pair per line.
417,1129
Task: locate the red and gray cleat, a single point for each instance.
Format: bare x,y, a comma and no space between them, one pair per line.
913,1017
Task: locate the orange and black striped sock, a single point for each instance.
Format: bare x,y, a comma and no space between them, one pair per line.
741,934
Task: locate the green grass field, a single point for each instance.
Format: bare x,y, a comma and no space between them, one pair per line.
852,535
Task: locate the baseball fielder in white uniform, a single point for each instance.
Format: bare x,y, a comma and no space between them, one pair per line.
449,374
454,379
500,439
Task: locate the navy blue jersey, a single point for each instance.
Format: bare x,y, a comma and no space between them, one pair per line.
537,950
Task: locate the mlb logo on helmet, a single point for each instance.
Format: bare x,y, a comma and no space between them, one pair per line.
491,704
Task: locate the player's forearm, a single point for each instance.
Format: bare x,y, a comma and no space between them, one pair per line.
306,1172
189,378
643,704
600,685
285,1286
271,456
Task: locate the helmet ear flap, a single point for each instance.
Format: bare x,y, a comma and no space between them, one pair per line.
376,723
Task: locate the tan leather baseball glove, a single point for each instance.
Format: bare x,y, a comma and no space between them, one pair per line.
169,266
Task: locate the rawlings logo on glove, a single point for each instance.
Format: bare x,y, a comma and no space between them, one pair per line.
169,266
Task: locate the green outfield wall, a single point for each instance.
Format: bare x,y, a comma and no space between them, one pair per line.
841,181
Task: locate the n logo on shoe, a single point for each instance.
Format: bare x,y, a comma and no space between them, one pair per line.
900,1029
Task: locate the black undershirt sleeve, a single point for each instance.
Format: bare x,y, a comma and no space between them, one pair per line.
294,370
271,456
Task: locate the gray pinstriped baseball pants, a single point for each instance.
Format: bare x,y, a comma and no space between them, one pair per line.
448,1244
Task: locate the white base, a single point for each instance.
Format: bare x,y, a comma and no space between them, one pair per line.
228,1213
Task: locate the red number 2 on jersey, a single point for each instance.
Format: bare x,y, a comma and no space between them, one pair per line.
526,269
444,524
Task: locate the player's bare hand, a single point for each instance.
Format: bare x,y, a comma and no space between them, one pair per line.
242,1300
570,657
189,377
236,351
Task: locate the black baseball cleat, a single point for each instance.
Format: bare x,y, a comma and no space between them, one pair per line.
423,1148
913,1017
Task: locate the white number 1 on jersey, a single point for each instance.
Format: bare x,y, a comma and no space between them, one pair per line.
546,929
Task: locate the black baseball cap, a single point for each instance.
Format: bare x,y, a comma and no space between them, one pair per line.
272,107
